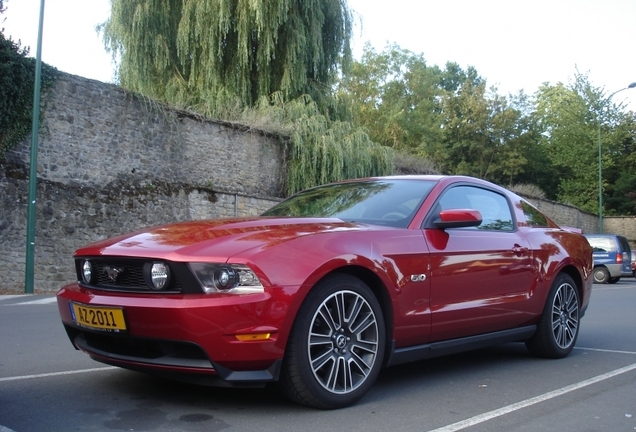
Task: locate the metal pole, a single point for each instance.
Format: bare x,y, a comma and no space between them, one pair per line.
600,161
600,181
33,168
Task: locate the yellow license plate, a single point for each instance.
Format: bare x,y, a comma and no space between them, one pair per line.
98,318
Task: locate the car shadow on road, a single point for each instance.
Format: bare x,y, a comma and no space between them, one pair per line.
471,368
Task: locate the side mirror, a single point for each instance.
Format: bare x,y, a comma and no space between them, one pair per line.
458,218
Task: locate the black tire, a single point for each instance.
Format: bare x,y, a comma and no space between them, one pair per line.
601,275
336,346
558,328
613,280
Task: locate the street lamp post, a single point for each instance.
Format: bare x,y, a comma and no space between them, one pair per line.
600,164
29,272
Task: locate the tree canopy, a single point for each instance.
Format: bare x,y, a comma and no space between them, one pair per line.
17,80
235,59
208,54
289,61
451,116
570,119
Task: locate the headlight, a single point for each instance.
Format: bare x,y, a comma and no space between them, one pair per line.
235,279
87,271
159,275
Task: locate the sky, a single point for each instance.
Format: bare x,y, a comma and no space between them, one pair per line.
513,44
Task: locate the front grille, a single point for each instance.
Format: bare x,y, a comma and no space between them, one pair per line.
133,275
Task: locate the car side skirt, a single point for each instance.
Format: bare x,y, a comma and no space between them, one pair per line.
438,349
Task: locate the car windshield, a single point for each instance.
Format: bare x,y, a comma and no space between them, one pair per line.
380,202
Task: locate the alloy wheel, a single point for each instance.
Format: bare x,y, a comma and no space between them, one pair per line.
565,315
343,342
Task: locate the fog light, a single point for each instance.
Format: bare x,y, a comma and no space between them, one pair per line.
87,271
159,275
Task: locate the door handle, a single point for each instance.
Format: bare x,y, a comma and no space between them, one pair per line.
519,250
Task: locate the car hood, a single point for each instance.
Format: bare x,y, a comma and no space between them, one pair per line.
214,240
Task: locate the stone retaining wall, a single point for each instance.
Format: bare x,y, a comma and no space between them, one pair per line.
623,225
110,162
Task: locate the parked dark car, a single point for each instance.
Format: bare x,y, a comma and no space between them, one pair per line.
612,257
331,285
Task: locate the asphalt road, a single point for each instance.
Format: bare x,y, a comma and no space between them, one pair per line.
46,385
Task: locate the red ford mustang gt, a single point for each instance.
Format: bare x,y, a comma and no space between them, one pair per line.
331,285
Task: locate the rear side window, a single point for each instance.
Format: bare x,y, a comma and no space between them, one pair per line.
534,217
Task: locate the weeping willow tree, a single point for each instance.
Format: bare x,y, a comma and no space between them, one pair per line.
234,59
208,54
321,150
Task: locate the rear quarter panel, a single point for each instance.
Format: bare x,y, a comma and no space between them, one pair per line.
556,250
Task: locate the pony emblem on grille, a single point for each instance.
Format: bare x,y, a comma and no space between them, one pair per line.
113,272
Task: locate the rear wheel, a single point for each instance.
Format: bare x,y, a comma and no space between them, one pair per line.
558,327
336,345
601,275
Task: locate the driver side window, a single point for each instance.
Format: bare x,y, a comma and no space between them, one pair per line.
493,207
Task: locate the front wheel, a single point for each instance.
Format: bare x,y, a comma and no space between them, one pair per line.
336,345
558,326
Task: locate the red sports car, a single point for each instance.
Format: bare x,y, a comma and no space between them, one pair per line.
329,286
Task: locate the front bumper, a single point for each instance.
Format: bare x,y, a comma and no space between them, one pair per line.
192,337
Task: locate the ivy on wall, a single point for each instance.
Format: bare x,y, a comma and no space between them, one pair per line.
17,80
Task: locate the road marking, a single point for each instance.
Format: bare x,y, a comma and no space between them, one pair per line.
606,350
25,377
614,288
46,300
8,297
532,401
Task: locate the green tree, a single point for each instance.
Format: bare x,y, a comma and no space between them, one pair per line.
568,119
620,176
211,54
447,116
567,132
322,150
395,96
485,135
17,78
275,61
